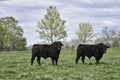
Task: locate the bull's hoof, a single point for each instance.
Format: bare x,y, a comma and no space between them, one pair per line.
90,63
96,63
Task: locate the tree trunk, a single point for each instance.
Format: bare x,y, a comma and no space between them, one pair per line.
51,37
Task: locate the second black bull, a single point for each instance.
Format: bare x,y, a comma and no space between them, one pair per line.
91,50
45,51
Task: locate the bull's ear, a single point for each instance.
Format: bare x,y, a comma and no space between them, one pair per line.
61,44
99,47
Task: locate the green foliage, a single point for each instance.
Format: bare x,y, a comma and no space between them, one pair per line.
51,28
10,34
21,44
85,32
16,66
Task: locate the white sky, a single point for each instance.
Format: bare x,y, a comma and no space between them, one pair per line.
99,13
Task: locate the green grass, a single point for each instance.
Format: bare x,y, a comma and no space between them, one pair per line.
16,66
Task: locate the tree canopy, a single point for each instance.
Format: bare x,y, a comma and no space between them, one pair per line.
11,35
109,36
84,32
52,27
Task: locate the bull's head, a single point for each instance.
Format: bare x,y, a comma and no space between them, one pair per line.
102,47
57,45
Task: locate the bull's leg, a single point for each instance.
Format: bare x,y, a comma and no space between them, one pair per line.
97,60
83,59
77,58
52,59
56,61
32,59
38,59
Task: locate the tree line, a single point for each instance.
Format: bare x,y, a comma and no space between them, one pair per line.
11,35
109,36
52,28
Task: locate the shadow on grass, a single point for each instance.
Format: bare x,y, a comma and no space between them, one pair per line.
100,63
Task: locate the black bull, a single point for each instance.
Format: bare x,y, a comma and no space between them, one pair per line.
45,51
91,50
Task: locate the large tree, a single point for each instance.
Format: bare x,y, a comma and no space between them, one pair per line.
52,27
10,34
85,32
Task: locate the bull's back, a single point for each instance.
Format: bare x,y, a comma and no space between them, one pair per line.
41,49
87,50
85,47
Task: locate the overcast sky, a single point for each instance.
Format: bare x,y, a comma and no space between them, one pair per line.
98,13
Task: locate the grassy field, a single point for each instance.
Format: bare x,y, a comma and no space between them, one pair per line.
16,66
